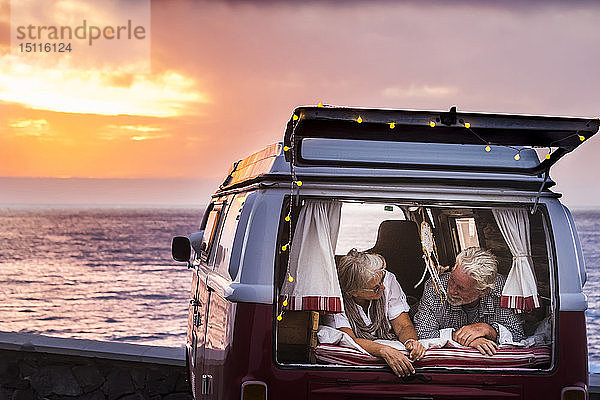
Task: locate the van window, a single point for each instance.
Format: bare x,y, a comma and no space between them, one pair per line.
359,223
210,229
415,239
223,252
467,232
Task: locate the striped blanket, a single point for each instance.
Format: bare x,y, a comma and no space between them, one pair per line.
442,357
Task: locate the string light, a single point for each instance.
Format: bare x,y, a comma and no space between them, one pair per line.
517,156
359,119
467,125
295,184
582,138
392,125
286,148
432,124
488,148
320,105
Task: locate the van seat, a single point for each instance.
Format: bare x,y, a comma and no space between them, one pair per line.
398,241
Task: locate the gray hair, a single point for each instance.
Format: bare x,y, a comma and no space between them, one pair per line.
355,270
480,264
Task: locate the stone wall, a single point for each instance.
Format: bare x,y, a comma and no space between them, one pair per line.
39,367
32,375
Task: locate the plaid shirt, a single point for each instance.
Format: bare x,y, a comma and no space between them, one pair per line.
433,315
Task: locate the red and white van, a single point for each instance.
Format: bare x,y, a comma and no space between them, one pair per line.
254,321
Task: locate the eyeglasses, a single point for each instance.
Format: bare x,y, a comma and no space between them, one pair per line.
378,286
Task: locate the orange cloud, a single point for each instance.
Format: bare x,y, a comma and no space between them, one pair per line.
30,127
133,132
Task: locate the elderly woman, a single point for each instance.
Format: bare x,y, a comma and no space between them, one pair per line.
376,308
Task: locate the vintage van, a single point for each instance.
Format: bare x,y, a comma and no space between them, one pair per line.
416,187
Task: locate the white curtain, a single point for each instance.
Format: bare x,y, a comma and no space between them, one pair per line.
520,291
315,284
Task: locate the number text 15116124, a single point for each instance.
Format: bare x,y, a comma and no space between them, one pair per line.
45,47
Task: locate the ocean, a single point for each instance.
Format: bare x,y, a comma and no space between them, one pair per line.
103,274
107,274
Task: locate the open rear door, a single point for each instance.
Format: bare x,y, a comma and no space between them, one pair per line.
371,137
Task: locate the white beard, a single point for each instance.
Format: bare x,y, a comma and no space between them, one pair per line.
459,301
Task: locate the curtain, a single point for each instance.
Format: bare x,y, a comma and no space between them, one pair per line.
520,290
315,284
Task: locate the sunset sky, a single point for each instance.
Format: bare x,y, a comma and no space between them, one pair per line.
220,79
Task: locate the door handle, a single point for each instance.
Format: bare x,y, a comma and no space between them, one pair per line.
195,303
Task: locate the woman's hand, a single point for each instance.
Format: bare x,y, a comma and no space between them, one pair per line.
415,349
397,361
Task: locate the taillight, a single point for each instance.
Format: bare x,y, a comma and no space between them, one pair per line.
573,393
254,390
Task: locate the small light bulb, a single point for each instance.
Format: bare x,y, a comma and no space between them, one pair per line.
392,125
279,317
467,125
431,124
295,117
320,105
359,120
299,183
291,278
287,218
582,138
285,303
284,247
488,148
517,156
548,156
286,148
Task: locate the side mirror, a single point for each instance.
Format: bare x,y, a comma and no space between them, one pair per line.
181,249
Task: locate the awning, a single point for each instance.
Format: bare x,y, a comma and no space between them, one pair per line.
561,135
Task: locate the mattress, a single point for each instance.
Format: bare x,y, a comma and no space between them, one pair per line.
443,357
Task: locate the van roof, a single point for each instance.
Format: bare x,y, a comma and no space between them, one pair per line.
337,142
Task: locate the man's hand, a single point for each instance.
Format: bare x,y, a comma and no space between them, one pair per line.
415,348
485,346
397,361
468,333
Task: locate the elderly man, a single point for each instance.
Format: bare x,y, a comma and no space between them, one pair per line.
471,313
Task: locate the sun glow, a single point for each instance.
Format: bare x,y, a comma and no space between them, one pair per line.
103,92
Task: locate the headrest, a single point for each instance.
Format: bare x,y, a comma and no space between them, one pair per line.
395,233
398,241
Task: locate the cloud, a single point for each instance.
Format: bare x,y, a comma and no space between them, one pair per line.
137,128
420,91
133,132
29,127
149,137
97,91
